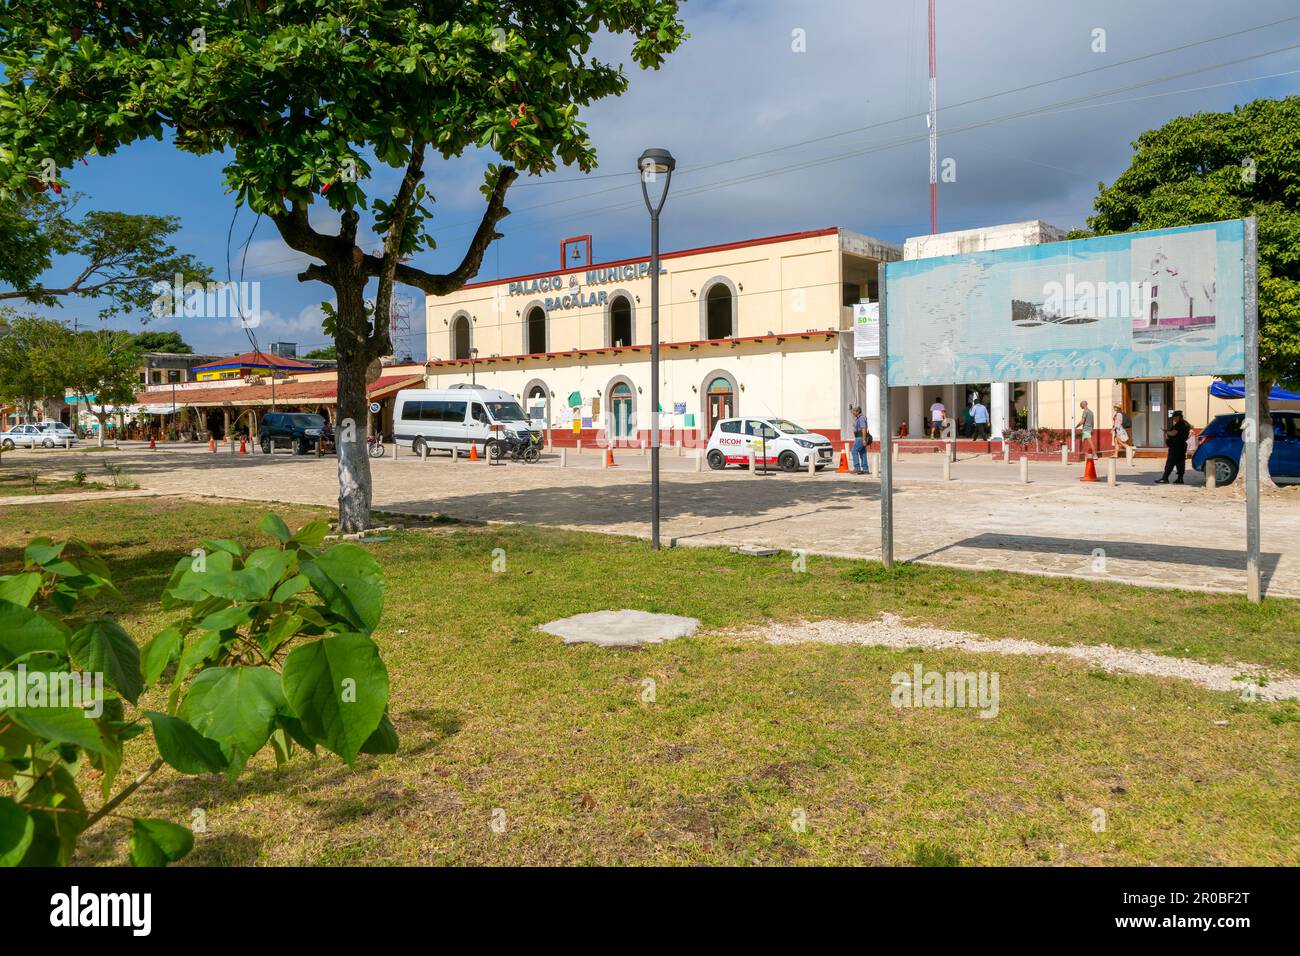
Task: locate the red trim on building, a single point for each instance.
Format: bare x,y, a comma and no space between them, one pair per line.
698,250
696,343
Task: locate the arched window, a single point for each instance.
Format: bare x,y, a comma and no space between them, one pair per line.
536,330
720,312
460,337
620,321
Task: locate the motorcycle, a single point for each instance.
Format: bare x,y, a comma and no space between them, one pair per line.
517,446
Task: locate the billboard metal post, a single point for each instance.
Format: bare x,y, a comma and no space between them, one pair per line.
1250,446
886,434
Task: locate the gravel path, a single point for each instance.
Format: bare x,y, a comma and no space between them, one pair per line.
890,631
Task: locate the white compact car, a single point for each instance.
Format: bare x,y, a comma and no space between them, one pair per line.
28,436
60,432
775,442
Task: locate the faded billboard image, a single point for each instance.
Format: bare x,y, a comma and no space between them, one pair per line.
1130,305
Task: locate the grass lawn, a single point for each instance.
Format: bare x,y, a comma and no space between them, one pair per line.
15,484
500,722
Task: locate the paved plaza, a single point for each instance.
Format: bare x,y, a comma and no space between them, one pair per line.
984,518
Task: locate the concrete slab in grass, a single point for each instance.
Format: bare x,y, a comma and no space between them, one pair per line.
621,628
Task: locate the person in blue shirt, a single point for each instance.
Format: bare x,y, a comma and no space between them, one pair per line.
980,416
861,440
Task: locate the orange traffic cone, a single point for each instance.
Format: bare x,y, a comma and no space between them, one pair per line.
473,452
609,458
152,443
243,445
212,443
844,462
1089,470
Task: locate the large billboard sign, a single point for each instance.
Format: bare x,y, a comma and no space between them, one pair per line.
1142,304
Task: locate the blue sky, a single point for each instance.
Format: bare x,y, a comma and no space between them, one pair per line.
738,88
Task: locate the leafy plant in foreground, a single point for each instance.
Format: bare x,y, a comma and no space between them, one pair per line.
272,647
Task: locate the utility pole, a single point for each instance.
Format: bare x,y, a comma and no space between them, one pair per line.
932,120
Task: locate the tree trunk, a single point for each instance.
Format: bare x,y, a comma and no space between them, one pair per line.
1265,418
350,435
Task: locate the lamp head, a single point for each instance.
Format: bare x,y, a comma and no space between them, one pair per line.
656,161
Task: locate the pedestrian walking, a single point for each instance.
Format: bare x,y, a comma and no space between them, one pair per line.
938,415
861,442
1176,436
980,416
1119,426
1086,422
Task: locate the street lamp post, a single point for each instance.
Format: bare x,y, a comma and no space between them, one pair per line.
652,163
473,353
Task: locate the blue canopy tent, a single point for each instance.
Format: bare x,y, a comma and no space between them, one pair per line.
1238,390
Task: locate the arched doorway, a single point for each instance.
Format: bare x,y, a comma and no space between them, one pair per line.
621,413
537,403
460,342
535,329
620,321
719,311
719,400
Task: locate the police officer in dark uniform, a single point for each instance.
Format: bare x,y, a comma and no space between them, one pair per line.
1176,438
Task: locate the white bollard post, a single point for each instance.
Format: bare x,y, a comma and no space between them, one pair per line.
424,452
604,459
699,460
1024,469
564,458
947,468
1211,477
681,450
753,461
1006,454
1110,473
1131,454
875,460
812,466
895,452
579,446
1065,455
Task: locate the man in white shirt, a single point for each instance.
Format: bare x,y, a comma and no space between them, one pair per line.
938,414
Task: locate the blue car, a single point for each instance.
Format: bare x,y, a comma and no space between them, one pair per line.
1220,448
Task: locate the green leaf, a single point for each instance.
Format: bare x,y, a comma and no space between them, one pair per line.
56,830
236,707
20,588
62,724
103,646
223,544
183,747
16,831
42,551
272,524
160,652
312,534
23,631
349,580
159,842
384,740
236,615
197,650
290,587
338,688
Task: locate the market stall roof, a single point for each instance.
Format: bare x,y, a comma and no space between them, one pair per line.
255,360
1238,390
318,392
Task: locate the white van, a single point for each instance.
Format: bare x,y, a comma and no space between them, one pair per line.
451,419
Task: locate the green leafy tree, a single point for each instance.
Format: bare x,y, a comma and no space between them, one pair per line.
149,341
103,372
35,358
325,353
271,648
304,94
113,257
1215,166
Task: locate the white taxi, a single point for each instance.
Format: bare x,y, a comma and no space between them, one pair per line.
774,442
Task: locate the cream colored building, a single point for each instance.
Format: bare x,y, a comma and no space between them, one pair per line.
757,327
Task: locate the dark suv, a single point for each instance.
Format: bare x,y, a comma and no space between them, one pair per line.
298,430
